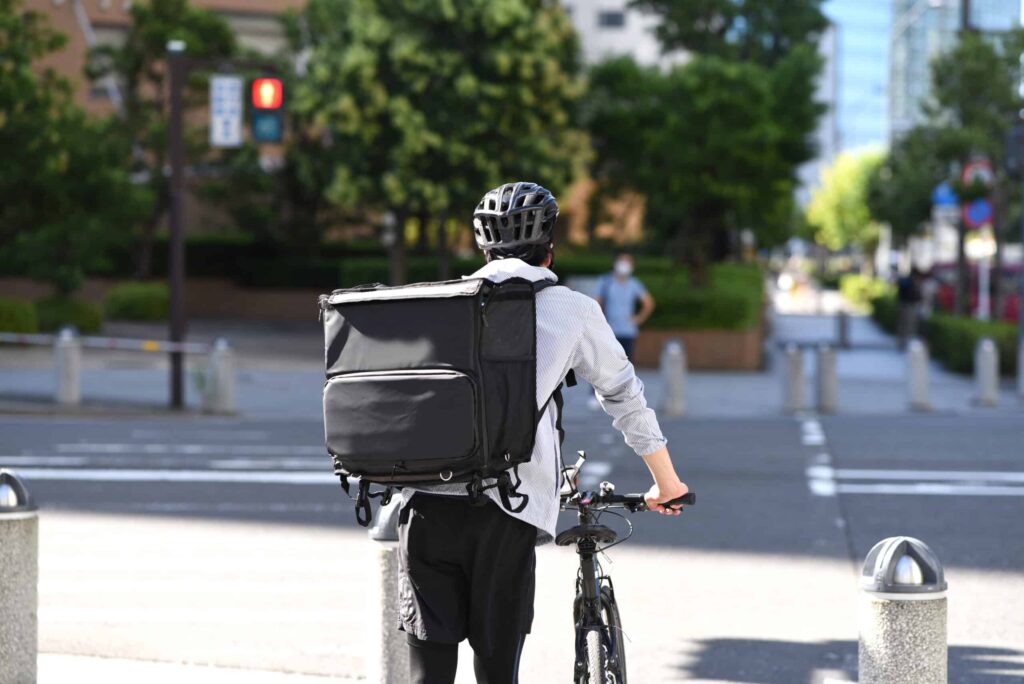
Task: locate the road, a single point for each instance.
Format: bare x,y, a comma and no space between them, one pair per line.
228,542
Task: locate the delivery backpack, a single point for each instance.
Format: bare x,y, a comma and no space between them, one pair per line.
432,383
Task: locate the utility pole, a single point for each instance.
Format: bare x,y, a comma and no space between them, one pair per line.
176,66
965,15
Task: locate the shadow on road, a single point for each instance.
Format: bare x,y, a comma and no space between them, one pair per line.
764,661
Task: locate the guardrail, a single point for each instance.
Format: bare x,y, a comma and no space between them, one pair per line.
217,385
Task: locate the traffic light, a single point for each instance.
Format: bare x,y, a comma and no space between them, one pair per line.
267,117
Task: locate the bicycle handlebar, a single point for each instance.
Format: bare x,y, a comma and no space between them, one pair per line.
633,502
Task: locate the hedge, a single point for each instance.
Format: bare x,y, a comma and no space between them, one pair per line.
54,313
137,302
17,316
952,340
733,300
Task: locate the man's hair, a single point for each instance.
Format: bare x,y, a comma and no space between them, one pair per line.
534,255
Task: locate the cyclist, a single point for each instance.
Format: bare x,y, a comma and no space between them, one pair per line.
468,571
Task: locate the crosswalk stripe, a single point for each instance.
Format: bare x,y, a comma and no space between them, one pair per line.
240,449
309,477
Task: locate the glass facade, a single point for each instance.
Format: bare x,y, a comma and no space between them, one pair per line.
861,71
922,30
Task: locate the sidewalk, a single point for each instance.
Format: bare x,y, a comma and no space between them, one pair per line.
55,668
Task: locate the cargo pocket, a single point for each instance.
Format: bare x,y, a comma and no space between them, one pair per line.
401,422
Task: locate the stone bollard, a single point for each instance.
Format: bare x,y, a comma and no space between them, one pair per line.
902,615
793,380
19,579
388,661
673,375
843,330
68,364
827,384
1020,369
917,376
219,388
986,372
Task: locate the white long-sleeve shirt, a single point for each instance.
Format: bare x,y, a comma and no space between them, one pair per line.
572,333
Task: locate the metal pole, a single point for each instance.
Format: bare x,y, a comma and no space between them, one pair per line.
176,261
1020,306
843,330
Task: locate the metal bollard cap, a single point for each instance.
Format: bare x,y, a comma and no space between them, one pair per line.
902,565
14,496
385,527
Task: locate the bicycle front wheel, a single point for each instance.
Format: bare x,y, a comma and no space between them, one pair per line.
596,660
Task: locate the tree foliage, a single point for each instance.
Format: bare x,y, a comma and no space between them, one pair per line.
139,68
421,105
760,31
66,195
838,213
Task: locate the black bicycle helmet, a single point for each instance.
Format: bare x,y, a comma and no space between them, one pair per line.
515,215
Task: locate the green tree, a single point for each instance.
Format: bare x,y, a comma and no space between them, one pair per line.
139,67
66,195
838,213
699,141
761,31
421,105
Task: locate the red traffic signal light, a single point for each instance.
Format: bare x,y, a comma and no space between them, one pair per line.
267,93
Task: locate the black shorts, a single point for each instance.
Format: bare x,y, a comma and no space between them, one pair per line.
465,572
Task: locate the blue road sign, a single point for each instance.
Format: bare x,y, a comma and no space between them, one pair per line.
943,196
978,213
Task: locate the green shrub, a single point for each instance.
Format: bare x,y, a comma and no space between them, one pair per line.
885,311
859,289
54,313
137,302
17,316
952,340
732,301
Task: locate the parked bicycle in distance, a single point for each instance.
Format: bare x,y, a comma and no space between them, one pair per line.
600,652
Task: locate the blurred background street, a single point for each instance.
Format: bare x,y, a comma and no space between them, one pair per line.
791,181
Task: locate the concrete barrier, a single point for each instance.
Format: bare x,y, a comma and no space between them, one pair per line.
902,615
19,580
219,385
986,372
917,376
68,367
793,380
673,375
388,659
827,382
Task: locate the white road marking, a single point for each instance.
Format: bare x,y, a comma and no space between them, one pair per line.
43,460
200,434
826,481
320,477
930,489
811,433
245,463
240,449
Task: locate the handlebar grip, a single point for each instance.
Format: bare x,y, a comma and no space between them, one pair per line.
688,499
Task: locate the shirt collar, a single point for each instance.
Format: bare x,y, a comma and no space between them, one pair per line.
503,269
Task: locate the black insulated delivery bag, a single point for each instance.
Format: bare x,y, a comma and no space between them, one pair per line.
431,383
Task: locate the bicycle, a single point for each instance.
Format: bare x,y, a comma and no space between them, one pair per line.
600,653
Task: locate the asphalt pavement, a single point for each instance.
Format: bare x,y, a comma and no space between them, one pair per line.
220,549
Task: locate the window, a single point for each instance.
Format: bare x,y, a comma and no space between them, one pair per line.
613,19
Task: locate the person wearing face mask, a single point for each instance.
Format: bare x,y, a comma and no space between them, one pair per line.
618,293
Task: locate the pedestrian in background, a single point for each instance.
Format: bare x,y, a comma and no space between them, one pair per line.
618,293
908,294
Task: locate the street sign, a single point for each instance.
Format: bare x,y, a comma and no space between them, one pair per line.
225,111
977,213
978,171
943,196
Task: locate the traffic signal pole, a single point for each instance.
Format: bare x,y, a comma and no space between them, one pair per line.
176,67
